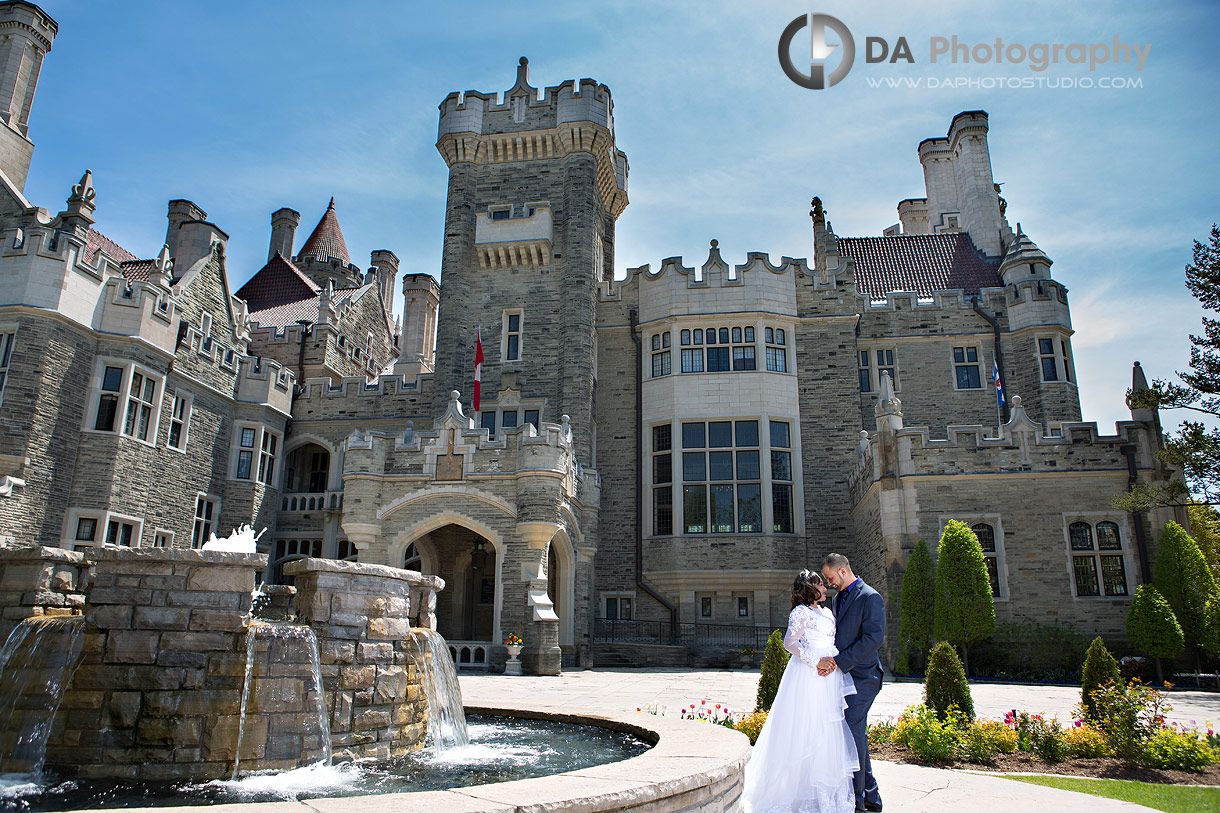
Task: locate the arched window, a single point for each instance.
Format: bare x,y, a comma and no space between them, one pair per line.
1098,571
1081,536
986,536
1107,536
412,559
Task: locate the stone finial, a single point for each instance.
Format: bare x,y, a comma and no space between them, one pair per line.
816,213
163,262
326,304
1139,383
863,444
888,403
80,203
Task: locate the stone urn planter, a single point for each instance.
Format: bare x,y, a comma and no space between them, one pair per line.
513,665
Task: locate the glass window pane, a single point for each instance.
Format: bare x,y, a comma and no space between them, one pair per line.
724,335
662,437
656,341
665,341
86,527
1107,536
112,379
512,347
1085,570
972,354
749,508
779,434
719,466
531,417
694,466
749,334
693,435
770,335
993,575
719,434
694,509
781,508
698,335
722,509
663,519
508,419
863,358
1048,369
514,322
781,465
736,335
243,465
1081,535
711,335
247,437
717,359
1046,347
1113,575
864,381
744,359
959,355
692,361
747,433
747,465
779,336
986,535
685,337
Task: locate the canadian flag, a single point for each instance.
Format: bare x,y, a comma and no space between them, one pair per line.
478,365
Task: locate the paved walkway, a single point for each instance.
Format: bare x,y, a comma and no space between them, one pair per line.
904,787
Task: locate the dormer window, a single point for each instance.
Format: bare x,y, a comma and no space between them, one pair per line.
501,214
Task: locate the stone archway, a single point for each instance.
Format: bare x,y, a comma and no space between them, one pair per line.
561,585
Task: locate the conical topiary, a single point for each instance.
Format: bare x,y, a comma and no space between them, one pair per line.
1100,669
915,606
1152,628
775,660
964,612
945,683
1184,579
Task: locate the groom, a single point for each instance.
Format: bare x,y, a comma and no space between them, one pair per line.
859,628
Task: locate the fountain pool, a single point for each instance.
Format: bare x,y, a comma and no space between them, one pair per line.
501,749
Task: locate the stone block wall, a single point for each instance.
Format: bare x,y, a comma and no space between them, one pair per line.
37,581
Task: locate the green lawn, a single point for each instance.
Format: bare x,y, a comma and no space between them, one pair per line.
1171,798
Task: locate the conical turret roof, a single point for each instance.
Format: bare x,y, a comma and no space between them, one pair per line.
326,243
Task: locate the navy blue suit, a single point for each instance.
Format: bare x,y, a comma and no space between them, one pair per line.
859,631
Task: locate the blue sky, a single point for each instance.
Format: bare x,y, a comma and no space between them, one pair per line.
247,107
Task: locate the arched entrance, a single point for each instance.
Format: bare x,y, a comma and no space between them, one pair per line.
560,585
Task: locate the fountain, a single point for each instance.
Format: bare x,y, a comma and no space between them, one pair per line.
446,718
36,666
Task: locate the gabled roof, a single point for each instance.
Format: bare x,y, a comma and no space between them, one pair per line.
326,242
95,240
923,263
277,283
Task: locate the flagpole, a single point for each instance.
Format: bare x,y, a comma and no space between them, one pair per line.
999,397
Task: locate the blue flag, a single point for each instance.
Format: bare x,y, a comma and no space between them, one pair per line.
999,389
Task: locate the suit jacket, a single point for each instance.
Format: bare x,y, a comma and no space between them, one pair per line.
859,631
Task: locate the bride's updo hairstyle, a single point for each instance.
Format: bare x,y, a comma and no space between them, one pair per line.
807,588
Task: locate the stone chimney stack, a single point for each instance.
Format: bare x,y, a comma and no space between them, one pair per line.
26,34
284,224
180,211
417,347
385,266
961,192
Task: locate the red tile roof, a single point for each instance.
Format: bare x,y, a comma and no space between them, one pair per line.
95,240
326,242
277,283
922,263
292,312
137,270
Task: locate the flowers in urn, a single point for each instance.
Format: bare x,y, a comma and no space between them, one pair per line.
513,640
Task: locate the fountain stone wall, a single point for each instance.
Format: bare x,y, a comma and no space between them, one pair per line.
38,581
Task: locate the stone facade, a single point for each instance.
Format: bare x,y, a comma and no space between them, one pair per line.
665,447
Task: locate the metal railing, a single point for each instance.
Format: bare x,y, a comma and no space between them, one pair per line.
664,633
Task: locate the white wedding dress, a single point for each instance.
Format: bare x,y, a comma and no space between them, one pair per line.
805,756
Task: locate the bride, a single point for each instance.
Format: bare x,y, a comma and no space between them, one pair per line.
805,756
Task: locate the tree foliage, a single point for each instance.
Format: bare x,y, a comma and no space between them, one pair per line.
915,609
1205,530
1152,628
945,683
775,660
963,611
1194,449
1183,578
1100,669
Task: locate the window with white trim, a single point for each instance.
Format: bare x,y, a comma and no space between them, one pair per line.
205,520
662,480
967,374
985,533
7,337
781,477
660,355
123,531
721,477
1098,559
718,349
618,608
873,362
743,606
137,391
777,352
707,607
85,534
1055,359
163,538
512,336
256,444
179,422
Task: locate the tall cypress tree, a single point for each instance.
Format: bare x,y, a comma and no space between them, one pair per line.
964,612
1184,579
915,609
1152,628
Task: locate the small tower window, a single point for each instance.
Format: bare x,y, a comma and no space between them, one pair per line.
512,335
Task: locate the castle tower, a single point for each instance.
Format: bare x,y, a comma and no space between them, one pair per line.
535,186
284,224
26,34
961,193
385,267
324,257
417,346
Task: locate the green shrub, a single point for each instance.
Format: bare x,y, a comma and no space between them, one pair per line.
1086,742
1128,717
1049,741
930,739
915,613
1171,749
1152,628
881,732
775,660
1100,668
963,611
1027,650
751,724
981,740
1184,579
945,683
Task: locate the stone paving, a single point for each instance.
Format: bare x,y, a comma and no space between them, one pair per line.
904,787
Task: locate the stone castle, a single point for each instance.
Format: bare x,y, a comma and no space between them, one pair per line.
651,453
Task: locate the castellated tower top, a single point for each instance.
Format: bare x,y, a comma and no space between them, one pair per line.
26,34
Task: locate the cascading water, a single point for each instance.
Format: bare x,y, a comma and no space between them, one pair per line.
446,717
36,666
283,707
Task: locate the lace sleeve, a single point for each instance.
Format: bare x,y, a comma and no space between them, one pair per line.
794,637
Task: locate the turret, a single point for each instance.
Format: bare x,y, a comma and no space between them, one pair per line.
284,224
385,269
26,34
324,256
417,346
961,193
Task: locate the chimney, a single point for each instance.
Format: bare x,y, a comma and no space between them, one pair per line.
180,211
284,224
385,265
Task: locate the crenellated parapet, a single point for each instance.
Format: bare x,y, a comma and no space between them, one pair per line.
266,382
